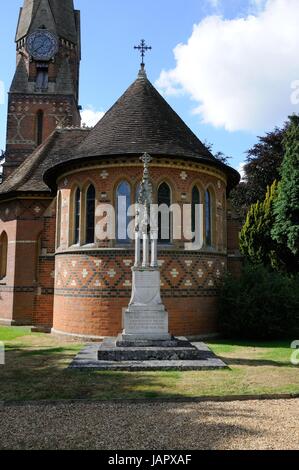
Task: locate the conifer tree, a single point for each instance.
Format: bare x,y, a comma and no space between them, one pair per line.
285,230
256,242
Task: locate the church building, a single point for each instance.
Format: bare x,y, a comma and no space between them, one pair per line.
55,273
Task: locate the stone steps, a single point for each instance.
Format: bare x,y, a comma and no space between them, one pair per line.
172,343
88,359
149,354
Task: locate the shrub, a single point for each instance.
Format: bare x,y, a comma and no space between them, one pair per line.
256,243
260,304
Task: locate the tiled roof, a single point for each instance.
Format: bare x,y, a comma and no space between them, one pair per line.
142,121
28,177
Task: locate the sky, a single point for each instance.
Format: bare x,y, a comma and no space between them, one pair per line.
228,67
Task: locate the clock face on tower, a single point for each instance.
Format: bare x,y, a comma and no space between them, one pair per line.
42,45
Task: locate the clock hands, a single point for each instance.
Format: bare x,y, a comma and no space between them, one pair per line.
36,50
40,47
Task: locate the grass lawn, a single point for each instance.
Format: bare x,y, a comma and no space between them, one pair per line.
36,369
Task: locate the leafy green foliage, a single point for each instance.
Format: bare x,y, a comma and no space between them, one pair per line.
286,206
260,304
218,155
255,239
262,167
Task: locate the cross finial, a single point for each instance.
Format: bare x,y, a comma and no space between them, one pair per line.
146,159
143,48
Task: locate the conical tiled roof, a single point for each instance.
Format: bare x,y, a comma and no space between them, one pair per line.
142,121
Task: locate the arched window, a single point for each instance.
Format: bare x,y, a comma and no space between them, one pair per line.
77,210
39,127
208,217
195,212
90,215
58,220
164,216
123,202
3,255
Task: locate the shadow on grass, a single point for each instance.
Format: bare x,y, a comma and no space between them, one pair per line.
43,374
25,350
285,344
255,362
49,351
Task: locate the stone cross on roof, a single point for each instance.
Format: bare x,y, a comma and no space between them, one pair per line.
146,159
143,48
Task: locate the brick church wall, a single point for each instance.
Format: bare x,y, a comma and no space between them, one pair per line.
92,289
21,123
93,286
23,222
44,297
9,226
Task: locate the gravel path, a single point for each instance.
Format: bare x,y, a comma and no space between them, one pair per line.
164,426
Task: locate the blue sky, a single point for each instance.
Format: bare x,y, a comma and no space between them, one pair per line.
111,28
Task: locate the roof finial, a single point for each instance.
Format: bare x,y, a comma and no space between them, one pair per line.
143,48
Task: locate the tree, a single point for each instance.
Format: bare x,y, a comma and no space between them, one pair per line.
218,155
256,242
285,229
262,167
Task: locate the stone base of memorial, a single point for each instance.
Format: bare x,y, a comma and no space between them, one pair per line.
146,336
146,317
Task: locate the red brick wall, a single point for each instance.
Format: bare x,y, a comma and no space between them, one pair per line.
21,123
92,289
44,296
23,222
6,284
93,286
103,317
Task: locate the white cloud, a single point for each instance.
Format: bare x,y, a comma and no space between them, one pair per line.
90,117
239,71
241,170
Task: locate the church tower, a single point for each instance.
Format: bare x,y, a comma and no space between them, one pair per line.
44,91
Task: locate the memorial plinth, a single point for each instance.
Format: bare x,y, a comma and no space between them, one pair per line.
146,317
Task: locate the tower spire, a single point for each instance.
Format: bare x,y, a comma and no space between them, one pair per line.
57,16
45,87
